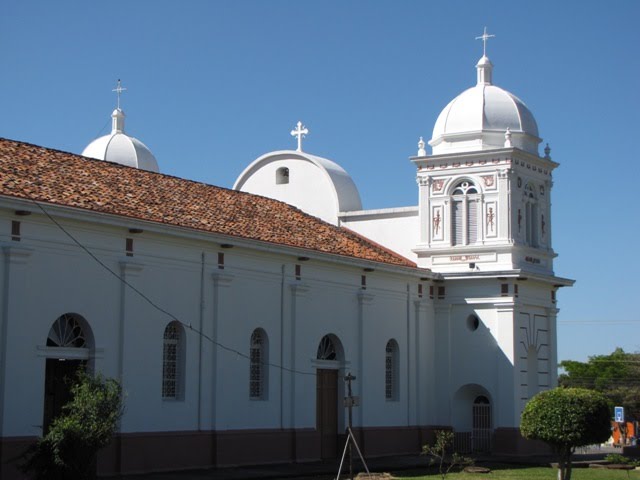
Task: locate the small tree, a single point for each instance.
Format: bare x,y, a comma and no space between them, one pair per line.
566,418
87,423
438,453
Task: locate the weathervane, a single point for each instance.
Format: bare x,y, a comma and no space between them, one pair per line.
300,131
119,89
484,37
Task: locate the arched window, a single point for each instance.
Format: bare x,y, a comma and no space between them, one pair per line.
530,215
67,331
464,213
282,176
391,371
257,365
327,349
173,354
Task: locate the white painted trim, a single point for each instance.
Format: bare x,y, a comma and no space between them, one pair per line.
68,353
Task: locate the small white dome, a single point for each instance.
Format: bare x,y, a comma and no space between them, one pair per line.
119,147
315,185
478,118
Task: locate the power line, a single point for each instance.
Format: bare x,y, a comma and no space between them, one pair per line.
158,307
603,323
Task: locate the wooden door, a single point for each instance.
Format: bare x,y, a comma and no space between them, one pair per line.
57,387
327,412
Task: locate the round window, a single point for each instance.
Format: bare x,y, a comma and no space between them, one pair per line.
473,323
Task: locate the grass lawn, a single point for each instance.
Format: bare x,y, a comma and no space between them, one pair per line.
512,472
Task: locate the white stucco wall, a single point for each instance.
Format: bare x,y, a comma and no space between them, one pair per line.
442,363
258,290
395,228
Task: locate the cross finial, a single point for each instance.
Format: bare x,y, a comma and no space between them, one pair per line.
300,131
484,37
119,89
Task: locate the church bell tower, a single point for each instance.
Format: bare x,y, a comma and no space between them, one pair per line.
484,193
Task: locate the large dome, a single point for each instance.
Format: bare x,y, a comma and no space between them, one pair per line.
484,117
120,148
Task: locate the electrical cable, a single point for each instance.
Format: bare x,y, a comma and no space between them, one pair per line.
158,307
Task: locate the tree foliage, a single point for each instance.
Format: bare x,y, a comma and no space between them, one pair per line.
439,451
616,376
87,424
566,418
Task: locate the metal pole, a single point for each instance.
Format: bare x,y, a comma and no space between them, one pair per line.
349,379
351,439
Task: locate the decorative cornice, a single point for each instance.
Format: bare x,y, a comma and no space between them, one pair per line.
221,279
365,298
423,181
17,255
298,289
422,303
69,353
552,311
131,268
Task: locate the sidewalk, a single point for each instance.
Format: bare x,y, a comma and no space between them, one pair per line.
327,470
324,470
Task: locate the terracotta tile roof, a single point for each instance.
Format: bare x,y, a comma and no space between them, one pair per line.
52,176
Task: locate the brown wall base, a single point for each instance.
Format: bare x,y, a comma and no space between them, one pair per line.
10,450
509,441
166,451
631,451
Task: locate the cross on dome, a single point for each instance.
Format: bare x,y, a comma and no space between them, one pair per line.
484,37
119,89
300,131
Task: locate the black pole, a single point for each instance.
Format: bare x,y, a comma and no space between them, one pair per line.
349,378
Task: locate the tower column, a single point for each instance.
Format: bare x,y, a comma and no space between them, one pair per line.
504,212
424,202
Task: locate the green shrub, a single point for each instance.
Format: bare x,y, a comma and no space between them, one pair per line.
566,418
439,450
621,459
87,423
616,458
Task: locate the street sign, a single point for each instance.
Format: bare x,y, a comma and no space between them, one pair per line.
619,414
351,401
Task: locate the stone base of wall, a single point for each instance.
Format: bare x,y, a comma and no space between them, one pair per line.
139,452
631,451
10,450
509,441
173,451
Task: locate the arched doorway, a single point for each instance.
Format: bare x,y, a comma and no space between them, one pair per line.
329,359
472,419
482,425
68,346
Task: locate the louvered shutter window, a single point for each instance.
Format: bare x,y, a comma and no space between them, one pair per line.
457,215
472,213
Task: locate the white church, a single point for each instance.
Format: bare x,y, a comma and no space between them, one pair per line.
231,316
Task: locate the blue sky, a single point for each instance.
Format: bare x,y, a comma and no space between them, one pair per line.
212,85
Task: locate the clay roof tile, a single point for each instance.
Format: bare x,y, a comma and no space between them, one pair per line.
51,176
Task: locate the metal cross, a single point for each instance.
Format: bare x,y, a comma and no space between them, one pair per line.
300,131
119,89
484,37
